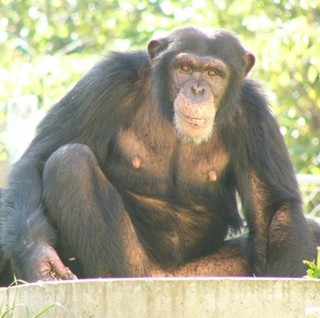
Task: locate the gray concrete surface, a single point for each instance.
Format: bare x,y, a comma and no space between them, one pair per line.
168,298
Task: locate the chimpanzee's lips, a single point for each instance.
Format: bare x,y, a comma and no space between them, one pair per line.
196,122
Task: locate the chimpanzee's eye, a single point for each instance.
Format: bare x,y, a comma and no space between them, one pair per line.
212,73
186,68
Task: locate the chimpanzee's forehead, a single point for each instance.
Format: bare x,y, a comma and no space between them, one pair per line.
189,39
219,43
204,41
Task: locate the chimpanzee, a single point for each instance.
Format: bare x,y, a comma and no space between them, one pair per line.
135,172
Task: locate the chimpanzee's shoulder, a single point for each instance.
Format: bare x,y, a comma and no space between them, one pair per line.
127,60
121,66
254,101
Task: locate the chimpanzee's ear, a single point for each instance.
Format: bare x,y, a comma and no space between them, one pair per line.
249,59
156,46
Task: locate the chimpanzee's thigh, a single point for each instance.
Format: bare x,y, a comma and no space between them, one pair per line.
95,235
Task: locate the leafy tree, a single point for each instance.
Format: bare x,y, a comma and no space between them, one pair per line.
47,45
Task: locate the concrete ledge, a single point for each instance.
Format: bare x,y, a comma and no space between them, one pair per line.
169,298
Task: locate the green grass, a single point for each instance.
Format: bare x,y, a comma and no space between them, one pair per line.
10,312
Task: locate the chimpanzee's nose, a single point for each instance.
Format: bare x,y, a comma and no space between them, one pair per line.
197,89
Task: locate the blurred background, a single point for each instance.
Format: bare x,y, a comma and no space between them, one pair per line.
47,45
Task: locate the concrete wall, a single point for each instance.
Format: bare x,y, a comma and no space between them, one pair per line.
154,298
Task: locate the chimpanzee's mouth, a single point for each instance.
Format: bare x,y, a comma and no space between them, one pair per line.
196,122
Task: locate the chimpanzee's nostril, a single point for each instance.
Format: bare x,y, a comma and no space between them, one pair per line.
197,89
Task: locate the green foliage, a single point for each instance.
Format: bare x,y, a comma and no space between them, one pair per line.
47,45
314,267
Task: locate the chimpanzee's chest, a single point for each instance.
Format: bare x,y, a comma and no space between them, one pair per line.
153,165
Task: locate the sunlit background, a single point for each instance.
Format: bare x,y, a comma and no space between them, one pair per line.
46,46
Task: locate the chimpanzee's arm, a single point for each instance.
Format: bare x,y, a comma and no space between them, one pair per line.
90,114
269,191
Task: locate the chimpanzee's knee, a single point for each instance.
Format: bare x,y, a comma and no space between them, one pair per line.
69,170
71,161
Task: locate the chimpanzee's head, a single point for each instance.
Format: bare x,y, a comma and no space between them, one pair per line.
196,75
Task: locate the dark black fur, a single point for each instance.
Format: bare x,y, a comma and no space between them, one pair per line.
37,212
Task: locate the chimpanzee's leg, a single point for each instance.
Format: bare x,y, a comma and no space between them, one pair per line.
96,233
232,259
94,229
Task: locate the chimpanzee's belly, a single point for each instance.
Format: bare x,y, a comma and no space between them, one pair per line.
175,232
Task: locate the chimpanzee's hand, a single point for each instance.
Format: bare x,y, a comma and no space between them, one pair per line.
48,265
